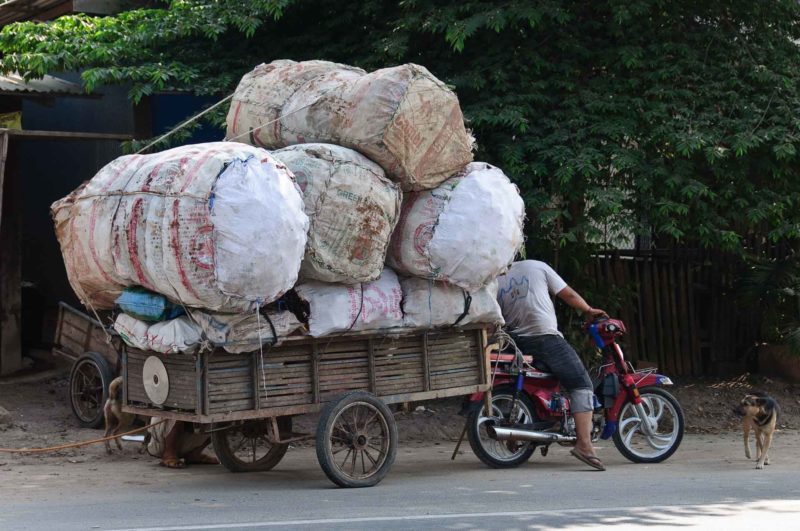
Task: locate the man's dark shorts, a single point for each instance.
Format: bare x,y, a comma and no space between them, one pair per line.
560,358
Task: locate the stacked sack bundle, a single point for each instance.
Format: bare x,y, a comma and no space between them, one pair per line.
217,226
460,224
231,234
402,118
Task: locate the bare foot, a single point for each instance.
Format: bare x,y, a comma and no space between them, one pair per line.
200,458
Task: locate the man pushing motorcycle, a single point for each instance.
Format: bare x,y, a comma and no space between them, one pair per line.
524,294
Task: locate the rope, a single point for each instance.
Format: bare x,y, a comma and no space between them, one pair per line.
467,304
184,124
261,346
360,309
78,444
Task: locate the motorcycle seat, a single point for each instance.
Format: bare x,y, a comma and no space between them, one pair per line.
539,365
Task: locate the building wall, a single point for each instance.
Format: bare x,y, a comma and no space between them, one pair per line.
51,169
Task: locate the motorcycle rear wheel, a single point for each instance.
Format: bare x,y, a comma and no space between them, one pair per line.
501,454
664,413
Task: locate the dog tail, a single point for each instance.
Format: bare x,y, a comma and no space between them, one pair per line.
778,412
113,387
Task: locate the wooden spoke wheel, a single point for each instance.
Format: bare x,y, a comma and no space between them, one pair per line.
89,379
245,447
356,440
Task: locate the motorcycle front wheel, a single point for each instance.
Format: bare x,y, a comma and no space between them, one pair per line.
664,416
501,454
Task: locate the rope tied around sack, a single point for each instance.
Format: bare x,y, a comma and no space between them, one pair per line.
467,303
261,343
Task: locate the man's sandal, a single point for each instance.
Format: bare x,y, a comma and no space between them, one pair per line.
172,463
591,460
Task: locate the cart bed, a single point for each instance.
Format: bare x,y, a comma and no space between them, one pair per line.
303,373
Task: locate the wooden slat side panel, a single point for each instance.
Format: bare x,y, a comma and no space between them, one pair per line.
455,362
182,380
298,376
230,383
77,335
399,363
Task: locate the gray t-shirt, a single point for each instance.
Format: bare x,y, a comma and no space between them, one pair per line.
524,297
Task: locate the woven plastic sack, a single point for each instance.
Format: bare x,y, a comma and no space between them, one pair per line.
428,304
176,335
403,118
465,232
246,332
341,308
147,306
353,210
218,226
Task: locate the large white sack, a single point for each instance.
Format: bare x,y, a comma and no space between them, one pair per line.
465,232
353,210
428,304
218,225
403,118
176,335
246,332
341,308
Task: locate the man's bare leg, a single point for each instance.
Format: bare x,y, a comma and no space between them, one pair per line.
583,429
583,447
170,457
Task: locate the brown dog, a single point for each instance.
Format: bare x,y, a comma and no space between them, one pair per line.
760,412
118,421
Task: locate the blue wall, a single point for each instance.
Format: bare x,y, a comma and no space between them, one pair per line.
51,169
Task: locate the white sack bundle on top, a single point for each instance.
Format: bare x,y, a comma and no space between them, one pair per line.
464,232
352,207
428,304
167,337
235,333
219,226
341,308
403,118
246,332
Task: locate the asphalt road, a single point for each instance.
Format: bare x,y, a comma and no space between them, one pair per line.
707,484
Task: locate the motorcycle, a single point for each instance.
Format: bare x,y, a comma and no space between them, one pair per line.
529,410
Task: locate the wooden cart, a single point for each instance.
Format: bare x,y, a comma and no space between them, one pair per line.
246,401
95,352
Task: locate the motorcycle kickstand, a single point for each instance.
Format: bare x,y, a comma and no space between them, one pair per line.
460,440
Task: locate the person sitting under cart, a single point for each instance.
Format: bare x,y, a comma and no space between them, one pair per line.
178,444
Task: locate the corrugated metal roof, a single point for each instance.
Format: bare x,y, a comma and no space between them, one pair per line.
14,84
16,10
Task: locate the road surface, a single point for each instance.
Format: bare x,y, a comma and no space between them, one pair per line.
707,484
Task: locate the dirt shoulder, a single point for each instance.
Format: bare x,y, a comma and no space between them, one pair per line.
39,415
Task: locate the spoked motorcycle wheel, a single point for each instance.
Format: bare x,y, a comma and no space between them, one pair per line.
501,454
663,414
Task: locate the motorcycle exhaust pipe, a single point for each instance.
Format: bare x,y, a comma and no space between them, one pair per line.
517,434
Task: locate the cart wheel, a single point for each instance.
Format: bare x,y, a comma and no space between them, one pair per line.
356,440
244,447
88,388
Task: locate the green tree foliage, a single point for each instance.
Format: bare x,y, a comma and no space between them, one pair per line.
674,117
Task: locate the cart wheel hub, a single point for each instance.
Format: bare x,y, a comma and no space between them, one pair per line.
360,441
